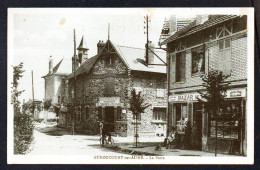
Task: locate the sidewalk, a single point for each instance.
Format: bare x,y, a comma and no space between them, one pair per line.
147,147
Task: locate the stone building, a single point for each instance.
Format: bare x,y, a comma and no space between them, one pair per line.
216,42
103,88
55,80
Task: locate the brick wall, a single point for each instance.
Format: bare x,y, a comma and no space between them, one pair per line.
238,62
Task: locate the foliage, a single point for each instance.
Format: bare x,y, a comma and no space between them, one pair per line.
28,106
23,123
57,108
47,104
137,104
23,132
216,88
214,96
17,74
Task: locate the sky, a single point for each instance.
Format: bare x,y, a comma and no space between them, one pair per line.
36,34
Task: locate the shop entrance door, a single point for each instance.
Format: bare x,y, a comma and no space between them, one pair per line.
109,118
197,130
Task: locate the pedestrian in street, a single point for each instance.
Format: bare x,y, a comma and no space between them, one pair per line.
101,127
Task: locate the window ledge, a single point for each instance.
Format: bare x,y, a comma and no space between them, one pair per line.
159,121
197,74
138,122
180,82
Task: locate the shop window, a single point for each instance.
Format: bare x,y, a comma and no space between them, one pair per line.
224,58
180,67
119,113
159,114
109,86
228,121
181,117
198,60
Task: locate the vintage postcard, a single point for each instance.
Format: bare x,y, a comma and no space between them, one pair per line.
130,86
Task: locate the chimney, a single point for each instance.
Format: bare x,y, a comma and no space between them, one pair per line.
100,46
173,24
50,65
150,53
200,19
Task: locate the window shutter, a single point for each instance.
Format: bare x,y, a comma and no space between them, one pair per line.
172,67
220,59
227,61
183,66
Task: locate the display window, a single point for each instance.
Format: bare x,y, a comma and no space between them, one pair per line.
228,121
181,117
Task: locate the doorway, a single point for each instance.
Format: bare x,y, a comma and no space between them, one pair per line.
197,130
109,118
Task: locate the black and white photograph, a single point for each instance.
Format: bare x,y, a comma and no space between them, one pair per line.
130,86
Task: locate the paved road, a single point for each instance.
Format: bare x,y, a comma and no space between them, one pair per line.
68,145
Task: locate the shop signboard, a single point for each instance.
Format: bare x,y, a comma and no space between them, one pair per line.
109,101
234,93
184,97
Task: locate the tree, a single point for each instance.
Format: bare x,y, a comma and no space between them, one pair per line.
214,97
137,106
23,123
17,74
57,108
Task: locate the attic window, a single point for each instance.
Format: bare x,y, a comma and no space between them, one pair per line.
109,60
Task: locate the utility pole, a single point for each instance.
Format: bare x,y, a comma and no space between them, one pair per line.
74,71
147,40
32,93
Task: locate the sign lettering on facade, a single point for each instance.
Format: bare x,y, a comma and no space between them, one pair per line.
236,93
109,101
185,97
194,97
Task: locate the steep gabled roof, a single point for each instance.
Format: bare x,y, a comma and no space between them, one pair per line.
193,27
134,58
84,67
62,68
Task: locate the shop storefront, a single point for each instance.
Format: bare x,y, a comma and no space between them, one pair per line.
231,127
111,112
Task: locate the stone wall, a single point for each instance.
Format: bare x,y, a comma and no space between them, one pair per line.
148,87
94,80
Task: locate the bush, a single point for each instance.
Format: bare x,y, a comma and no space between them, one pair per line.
23,133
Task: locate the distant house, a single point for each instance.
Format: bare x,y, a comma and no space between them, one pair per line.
209,42
103,90
55,80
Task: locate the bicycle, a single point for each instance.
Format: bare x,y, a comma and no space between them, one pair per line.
108,141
